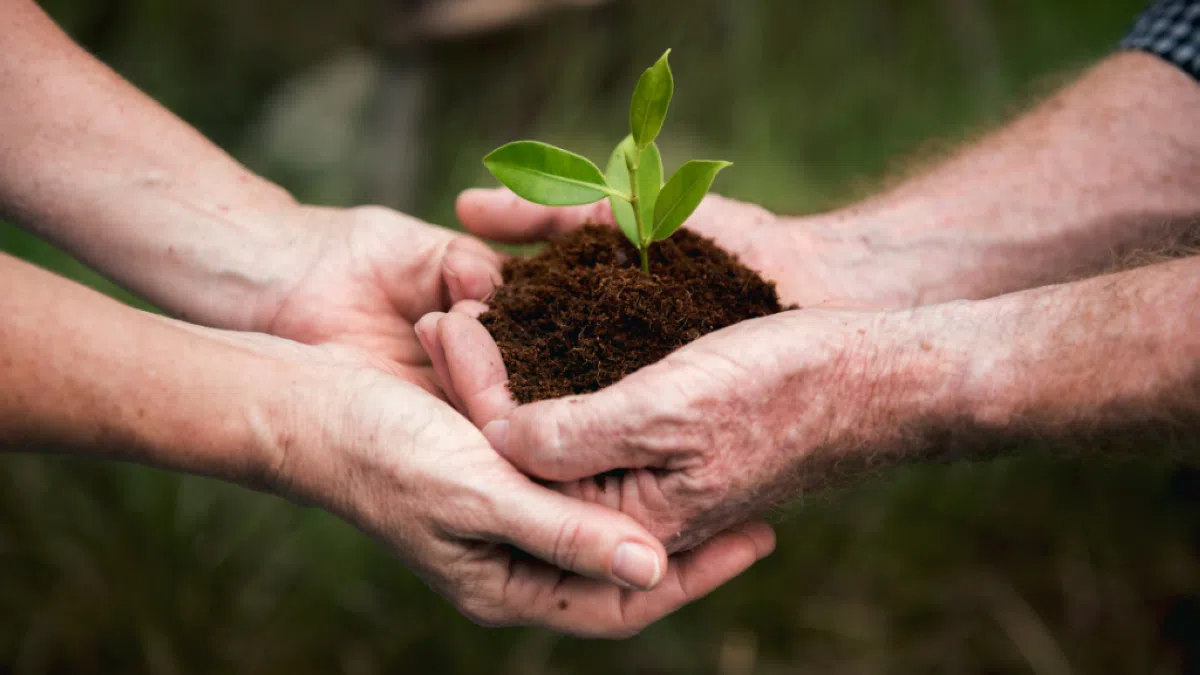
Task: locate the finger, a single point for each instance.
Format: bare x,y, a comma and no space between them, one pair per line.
426,330
500,215
469,275
587,539
589,608
474,368
468,244
568,439
471,308
604,489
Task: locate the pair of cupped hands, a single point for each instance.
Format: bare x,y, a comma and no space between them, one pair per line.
594,515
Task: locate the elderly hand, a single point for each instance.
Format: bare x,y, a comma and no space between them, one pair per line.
361,278
412,472
719,431
813,261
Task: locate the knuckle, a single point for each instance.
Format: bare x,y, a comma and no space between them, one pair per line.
544,444
629,625
477,514
705,483
568,543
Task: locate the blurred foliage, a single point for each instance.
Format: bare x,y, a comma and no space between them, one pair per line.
1031,564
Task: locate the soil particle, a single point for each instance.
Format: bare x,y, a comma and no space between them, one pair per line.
581,315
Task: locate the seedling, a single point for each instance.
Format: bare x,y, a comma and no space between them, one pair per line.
646,209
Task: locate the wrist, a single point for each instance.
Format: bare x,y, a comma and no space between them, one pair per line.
898,389
923,357
850,259
229,412
284,248
909,251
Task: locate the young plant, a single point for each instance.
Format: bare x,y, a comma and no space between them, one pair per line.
647,209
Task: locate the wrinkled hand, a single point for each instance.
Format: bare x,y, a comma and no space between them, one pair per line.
366,275
813,264
365,435
409,470
719,431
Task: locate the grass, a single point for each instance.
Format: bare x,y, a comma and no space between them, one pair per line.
1022,565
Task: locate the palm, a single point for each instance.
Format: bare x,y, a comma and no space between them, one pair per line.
374,274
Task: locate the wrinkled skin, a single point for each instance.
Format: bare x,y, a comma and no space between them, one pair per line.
715,433
409,470
364,278
405,467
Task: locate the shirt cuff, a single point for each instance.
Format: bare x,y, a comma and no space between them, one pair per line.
1169,29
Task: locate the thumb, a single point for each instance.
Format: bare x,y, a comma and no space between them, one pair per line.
568,439
587,539
500,215
470,270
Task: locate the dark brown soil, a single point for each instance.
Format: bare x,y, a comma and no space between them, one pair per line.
581,315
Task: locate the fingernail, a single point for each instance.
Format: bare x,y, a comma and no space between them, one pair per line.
636,565
497,434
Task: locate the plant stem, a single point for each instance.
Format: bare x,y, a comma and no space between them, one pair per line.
643,240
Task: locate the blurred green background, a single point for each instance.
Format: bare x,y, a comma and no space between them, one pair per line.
1026,565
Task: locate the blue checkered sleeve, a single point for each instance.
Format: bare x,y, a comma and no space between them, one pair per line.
1170,29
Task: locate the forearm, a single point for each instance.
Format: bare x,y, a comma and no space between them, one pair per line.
1107,366
1093,364
1110,165
95,166
82,374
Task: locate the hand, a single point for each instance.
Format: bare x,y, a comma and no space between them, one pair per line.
719,431
410,471
500,547
365,275
813,262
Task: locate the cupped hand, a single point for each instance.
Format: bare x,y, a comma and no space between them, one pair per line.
719,431
365,435
407,469
811,264
364,276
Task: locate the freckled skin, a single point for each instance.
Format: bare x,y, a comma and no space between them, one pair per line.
770,409
755,415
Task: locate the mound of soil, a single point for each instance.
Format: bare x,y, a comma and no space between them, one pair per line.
581,315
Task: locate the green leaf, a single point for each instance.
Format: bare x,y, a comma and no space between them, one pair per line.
682,195
618,179
547,175
651,99
650,182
